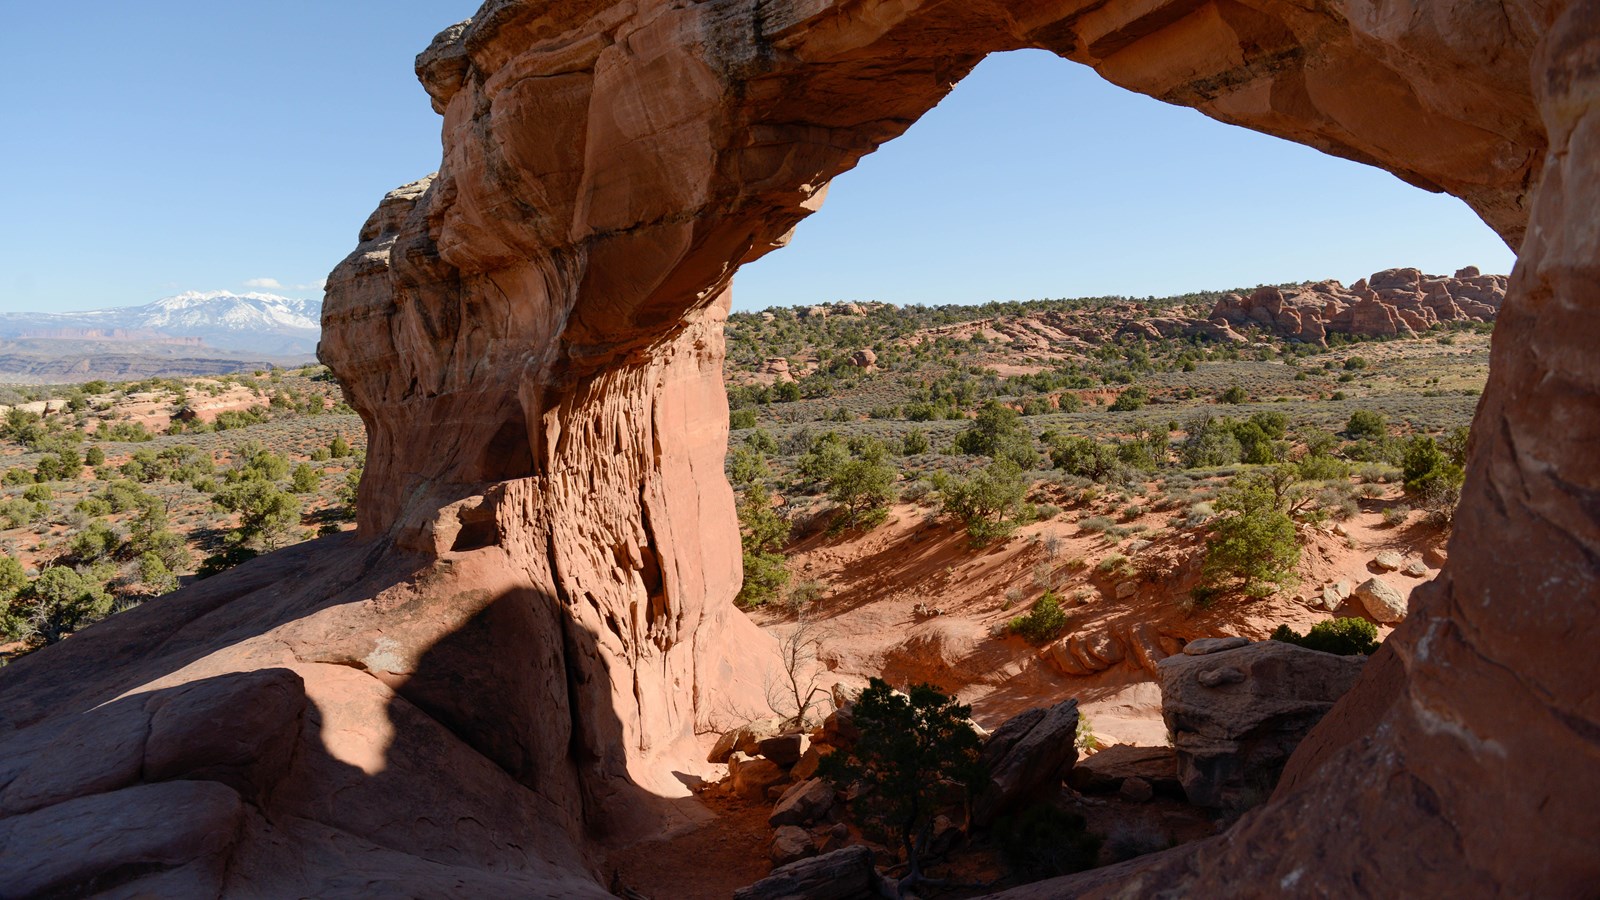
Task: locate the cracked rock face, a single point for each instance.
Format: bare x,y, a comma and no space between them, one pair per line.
507,663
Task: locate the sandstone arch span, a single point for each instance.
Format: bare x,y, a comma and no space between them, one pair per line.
546,550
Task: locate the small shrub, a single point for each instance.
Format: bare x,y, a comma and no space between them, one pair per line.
1364,423
1042,623
805,593
1095,524
1133,398
1342,637
914,747
1254,543
1115,564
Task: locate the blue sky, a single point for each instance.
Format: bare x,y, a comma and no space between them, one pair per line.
169,146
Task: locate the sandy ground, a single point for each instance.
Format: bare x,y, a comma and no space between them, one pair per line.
873,582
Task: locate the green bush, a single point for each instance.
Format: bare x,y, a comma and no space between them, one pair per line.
304,479
1235,394
154,574
1364,423
1133,398
913,748
65,601
747,465
862,485
1432,476
1084,458
267,515
998,433
1342,637
742,418
1253,541
1043,623
95,542
989,502
762,535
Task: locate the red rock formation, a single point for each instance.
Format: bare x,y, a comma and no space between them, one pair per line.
509,660
1395,302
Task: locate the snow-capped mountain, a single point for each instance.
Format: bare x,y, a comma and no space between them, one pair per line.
253,322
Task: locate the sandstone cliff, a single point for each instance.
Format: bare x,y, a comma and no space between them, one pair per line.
511,657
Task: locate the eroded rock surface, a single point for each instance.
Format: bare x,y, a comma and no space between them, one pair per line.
1392,303
1026,759
507,664
1236,715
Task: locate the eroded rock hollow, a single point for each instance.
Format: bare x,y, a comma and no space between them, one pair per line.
515,650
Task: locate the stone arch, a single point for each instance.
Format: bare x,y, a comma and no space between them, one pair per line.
607,165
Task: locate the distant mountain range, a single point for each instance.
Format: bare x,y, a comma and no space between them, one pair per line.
193,333
249,323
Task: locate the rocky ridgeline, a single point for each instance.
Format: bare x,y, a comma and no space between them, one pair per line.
1392,303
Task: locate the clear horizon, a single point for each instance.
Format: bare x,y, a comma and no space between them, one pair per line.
202,150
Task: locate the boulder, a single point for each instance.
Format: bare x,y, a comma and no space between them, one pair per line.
753,775
1104,772
839,728
843,874
746,739
1235,716
1416,569
1026,758
1204,646
784,749
791,842
1135,790
1381,601
1387,561
807,766
803,803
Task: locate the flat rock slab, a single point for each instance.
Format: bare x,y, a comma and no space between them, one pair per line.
802,803
844,874
178,825
1235,716
1204,646
1026,759
1104,772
